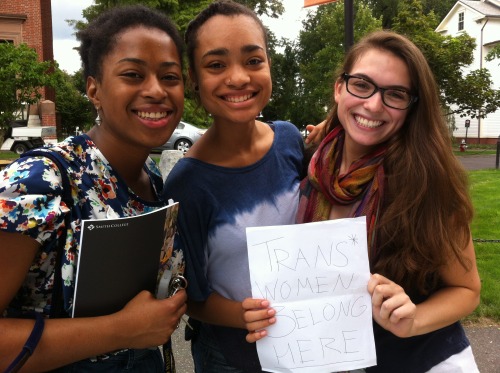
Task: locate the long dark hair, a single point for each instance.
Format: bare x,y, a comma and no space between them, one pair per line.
427,209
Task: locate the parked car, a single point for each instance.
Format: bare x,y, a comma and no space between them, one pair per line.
184,136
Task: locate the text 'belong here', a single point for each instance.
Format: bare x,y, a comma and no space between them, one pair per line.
315,277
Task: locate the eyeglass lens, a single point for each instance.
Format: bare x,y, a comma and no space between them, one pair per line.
362,88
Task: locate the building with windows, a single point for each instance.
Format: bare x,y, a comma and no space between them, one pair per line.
480,19
30,22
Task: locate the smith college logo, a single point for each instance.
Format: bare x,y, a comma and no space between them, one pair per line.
106,226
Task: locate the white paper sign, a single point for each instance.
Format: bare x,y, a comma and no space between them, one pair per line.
315,275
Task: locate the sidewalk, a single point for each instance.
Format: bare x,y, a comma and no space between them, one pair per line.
478,162
484,339
485,342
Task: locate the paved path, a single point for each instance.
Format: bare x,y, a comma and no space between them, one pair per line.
485,339
485,342
478,162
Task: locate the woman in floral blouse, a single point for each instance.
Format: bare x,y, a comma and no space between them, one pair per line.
133,66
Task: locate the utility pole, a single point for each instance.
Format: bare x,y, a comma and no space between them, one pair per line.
348,19
348,24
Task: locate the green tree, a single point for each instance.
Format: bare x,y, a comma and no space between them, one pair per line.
320,52
493,53
440,8
388,9
22,77
469,94
73,107
181,12
284,72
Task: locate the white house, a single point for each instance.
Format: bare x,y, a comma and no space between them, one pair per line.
480,19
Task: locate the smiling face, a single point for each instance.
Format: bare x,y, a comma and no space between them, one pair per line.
368,122
231,68
141,92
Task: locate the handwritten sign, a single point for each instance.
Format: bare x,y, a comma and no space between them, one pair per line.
315,276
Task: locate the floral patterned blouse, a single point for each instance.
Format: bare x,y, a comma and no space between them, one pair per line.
31,204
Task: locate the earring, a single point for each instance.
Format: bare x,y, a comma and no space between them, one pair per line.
98,118
196,88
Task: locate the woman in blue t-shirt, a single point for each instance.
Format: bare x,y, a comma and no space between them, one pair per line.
241,173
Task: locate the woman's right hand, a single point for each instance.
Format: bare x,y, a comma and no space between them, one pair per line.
258,315
147,321
144,322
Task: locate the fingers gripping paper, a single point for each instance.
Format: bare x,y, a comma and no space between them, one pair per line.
315,276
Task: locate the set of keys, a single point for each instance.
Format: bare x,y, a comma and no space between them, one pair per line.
178,282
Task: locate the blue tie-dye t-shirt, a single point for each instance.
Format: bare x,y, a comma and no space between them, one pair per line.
217,203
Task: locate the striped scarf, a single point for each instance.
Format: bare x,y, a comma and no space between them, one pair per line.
324,187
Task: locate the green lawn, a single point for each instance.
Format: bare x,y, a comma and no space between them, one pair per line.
485,192
8,155
475,150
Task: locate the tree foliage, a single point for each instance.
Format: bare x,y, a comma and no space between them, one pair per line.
181,12
22,77
303,71
285,74
469,94
73,107
388,9
320,52
494,53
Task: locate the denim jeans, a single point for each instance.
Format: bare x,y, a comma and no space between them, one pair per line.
129,361
207,356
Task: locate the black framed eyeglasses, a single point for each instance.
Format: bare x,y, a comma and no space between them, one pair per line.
395,98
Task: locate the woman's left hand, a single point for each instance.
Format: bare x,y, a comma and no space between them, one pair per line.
392,307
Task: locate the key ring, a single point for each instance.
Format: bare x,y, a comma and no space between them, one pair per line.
177,282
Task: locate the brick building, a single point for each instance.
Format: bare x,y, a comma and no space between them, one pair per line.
30,22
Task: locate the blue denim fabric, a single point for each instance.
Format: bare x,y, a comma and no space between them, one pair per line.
207,356
129,361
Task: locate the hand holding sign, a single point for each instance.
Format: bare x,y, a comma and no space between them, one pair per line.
315,277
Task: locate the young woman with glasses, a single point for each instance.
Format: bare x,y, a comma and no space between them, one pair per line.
387,156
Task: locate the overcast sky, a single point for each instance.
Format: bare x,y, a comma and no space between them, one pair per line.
64,42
